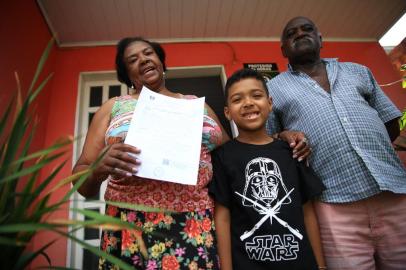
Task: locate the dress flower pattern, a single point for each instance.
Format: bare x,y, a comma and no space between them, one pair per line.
168,241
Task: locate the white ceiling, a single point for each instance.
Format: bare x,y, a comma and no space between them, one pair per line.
104,22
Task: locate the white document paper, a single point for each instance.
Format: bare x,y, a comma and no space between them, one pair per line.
169,133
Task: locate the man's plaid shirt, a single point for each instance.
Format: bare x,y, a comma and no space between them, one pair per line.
352,152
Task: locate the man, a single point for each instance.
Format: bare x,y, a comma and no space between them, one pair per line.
350,124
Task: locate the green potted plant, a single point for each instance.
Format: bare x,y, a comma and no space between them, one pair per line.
25,206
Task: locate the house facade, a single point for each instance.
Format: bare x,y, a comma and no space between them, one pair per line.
61,110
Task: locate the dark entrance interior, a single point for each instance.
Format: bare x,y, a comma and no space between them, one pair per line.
209,87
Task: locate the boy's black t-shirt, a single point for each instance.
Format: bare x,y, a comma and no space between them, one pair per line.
264,189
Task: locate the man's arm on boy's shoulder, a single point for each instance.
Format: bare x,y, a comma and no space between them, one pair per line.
313,232
223,233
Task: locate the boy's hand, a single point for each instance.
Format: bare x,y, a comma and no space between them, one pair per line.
298,141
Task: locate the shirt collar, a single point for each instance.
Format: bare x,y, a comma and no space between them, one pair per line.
327,61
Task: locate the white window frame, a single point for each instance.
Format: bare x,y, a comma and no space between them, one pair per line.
87,80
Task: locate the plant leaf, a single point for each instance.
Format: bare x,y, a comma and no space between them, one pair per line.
402,120
138,207
14,141
32,168
101,218
41,63
30,198
26,227
70,179
39,89
5,118
11,242
18,102
43,152
28,257
56,267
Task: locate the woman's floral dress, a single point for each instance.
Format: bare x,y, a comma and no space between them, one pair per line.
180,239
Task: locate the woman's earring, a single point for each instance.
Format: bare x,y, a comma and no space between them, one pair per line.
164,75
131,89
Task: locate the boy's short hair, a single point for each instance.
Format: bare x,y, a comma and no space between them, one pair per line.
241,74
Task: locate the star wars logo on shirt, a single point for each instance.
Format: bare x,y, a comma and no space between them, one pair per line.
272,247
266,193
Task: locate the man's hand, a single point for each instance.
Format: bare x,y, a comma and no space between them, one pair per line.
298,141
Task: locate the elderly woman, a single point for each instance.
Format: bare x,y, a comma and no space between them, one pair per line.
183,238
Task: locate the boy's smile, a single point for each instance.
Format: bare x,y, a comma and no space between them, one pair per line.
248,105
250,115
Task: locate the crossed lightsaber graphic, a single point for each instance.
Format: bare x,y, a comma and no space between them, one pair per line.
269,213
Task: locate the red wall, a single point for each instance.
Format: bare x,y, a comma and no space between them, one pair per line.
25,35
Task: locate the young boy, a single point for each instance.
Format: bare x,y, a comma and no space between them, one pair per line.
263,215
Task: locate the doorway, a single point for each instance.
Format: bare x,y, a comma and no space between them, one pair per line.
202,81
